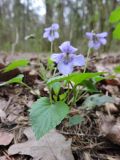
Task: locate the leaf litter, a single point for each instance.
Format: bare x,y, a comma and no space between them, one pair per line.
90,139
50,147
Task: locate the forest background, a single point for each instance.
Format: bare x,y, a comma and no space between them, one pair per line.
20,19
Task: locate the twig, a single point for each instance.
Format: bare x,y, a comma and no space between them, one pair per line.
7,156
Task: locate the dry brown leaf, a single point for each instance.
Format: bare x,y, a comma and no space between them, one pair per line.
12,117
110,107
110,128
114,90
2,115
113,157
3,103
3,158
5,138
50,147
87,156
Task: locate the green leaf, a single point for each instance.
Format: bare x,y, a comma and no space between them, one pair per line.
96,100
50,64
76,77
63,96
80,77
45,116
98,79
16,64
90,86
117,69
115,15
116,32
43,72
74,120
53,80
17,79
56,87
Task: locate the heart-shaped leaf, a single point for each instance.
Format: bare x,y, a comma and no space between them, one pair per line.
45,116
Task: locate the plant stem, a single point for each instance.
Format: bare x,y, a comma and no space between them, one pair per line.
73,90
24,84
50,94
51,47
88,54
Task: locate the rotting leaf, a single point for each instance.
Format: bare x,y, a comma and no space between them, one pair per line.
96,100
76,119
50,147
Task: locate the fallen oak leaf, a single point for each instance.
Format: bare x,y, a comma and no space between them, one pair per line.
50,147
110,128
3,158
2,115
5,138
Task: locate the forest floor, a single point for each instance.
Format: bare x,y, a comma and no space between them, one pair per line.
84,141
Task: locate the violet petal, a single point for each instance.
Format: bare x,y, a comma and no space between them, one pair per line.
78,60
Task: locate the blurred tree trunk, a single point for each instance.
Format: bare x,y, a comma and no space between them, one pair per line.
49,11
102,15
60,17
111,7
19,10
91,13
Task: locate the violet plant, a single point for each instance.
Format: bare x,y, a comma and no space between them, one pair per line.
66,89
67,59
96,40
51,33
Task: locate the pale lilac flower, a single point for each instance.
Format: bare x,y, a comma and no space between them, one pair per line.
96,39
67,59
51,32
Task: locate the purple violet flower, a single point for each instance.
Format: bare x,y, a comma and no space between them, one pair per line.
67,59
96,39
51,32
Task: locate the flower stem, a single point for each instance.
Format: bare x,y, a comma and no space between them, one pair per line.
51,47
88,54
50,91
